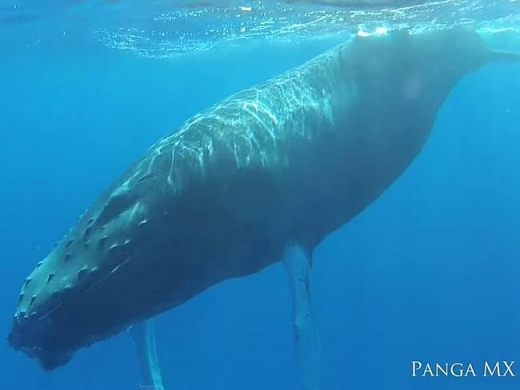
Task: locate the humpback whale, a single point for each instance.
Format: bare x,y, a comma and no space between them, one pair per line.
261,177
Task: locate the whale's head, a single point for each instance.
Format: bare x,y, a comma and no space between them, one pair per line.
72,297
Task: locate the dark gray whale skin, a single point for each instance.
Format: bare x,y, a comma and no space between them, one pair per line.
282,164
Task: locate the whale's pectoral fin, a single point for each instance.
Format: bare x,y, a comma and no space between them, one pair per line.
143,336
298,263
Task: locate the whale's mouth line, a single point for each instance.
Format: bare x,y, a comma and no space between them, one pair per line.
34,334
103,279
26,332
106,277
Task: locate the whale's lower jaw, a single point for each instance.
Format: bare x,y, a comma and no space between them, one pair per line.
54,340
52,332
53,337
42,342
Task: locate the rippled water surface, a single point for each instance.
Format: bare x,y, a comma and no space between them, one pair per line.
165,28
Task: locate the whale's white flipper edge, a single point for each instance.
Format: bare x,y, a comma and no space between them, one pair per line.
143,337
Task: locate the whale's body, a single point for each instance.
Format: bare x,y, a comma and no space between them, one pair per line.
284,163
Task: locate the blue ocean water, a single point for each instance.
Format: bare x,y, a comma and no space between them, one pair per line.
429,272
